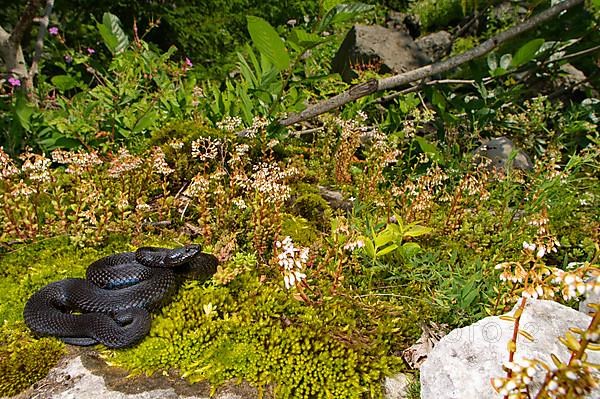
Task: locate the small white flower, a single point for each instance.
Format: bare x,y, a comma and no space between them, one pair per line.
541,252
569,279
571,375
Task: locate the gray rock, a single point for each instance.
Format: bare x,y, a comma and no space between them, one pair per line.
407,23
379,48
335,199
396,387
82,375
436,45
500,150
508,12
465,360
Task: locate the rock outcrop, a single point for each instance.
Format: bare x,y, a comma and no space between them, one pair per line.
382,49
462,364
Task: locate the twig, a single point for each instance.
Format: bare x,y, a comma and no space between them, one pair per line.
24,22
388,98
372,86
573,55
39,44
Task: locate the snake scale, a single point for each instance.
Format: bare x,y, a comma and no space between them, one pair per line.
112,304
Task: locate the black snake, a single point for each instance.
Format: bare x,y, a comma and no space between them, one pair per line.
112,304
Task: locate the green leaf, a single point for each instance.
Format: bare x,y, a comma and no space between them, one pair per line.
304,39
145,122
23,112
64,82
492,62
268,42
417,230
409,249
469,298
387,250
527,52
505,61
428,148
383,238
113,35
341,13
369,247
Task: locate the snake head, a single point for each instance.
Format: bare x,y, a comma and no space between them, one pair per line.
166,257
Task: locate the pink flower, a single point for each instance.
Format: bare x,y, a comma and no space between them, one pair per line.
188,63
14,82
53,31
90,50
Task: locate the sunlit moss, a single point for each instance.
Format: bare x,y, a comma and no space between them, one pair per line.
23,359
260,333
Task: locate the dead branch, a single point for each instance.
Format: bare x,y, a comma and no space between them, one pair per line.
39,44
372,86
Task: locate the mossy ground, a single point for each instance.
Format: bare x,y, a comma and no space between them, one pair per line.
245,329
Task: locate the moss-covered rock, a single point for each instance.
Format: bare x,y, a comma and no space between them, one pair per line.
315,209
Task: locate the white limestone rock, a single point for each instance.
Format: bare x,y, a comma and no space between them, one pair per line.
462,364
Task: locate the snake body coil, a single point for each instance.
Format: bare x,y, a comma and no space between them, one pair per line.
112,304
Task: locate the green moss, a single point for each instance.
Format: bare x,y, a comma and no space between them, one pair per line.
315,209
299,229
259,333
23,359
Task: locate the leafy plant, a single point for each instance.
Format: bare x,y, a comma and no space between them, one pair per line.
392,239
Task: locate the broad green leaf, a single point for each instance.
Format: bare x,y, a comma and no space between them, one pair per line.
527,52
428,148
341,13
23,112
505,61
113,35
416,231
268,42
369,247
304,39
387,250
64,82
410,248
383,238
145,122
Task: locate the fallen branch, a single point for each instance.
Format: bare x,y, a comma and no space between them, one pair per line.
372,86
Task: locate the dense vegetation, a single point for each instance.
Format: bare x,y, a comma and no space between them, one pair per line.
123,141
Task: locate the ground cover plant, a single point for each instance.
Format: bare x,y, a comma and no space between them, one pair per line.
118,144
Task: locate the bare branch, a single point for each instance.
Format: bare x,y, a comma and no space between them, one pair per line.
39,44
373,86
25,22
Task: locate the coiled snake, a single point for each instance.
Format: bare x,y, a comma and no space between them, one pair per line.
112,304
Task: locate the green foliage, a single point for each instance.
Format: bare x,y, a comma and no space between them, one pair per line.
392,239
435,13
268,85
112,33
268,42
140,90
